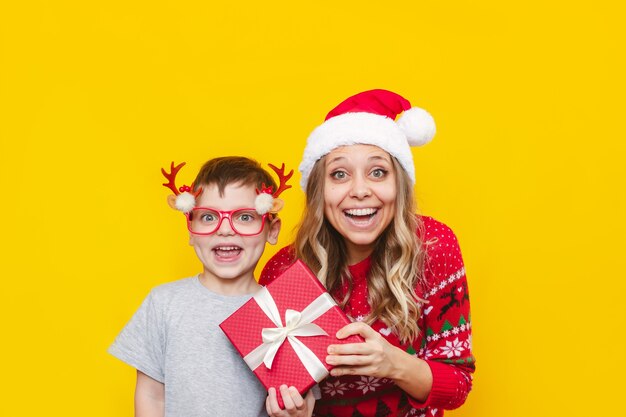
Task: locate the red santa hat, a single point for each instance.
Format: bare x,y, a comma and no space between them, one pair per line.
368,118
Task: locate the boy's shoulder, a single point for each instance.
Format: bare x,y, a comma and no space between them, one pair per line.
173,289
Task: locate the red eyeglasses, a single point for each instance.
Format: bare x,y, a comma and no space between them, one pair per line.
244,222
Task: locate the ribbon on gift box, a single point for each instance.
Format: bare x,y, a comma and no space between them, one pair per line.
297,323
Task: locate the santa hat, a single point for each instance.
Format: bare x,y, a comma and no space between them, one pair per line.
368,118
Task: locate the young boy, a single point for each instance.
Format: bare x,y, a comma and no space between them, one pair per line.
185,364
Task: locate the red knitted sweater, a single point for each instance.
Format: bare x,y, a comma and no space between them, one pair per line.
445,340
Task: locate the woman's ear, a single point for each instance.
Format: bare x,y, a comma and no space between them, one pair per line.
274,230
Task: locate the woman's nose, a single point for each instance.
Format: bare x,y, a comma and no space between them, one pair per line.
360,188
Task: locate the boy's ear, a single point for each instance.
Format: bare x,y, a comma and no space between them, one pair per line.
272,236
171,201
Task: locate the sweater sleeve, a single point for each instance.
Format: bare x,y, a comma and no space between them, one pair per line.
446,322
276,265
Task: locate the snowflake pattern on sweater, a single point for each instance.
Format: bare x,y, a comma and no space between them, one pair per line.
445,340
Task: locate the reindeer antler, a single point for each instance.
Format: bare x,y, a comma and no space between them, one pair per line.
283,179
171,177
265,201
184,198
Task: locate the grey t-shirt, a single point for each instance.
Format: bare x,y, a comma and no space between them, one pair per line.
174,338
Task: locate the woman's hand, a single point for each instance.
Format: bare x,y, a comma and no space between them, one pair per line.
378,358
375,357
295,405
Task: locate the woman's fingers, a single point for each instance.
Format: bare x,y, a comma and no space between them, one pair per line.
348,360
371,357
363,348
354,370
355,328
374,342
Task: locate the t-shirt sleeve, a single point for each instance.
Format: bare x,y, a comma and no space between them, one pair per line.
141,343
447,346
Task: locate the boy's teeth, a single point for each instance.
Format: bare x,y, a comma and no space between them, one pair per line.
361,212
226,248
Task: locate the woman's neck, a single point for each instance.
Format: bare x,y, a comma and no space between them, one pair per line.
356,253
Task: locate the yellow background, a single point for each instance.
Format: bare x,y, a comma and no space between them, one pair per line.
527,167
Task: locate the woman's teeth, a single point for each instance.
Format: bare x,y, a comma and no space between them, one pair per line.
360,212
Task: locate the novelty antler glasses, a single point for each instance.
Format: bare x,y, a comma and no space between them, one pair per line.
244,222
206,220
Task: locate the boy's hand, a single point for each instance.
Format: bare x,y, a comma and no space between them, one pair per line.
295,405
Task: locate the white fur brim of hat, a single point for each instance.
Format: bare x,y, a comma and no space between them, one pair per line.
414,127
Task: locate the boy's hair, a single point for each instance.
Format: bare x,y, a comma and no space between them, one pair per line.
228,170
397,262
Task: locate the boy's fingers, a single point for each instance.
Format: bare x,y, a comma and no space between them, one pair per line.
271,403
287,400
297,398
310,399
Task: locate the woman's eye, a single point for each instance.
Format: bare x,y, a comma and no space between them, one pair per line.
378,173
338,175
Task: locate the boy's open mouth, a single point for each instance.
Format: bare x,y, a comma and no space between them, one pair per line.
227,251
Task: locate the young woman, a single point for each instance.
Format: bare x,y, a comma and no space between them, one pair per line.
398,275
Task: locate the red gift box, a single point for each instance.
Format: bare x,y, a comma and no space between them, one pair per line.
291,312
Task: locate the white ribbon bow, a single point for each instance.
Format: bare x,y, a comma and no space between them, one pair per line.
297,324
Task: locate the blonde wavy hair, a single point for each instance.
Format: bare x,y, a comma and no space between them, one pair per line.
397,261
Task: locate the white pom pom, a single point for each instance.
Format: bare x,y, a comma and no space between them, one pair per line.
418,126
185,202
263,203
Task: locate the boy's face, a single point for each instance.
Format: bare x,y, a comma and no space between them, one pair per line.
229,259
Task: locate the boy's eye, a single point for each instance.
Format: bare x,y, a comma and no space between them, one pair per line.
246,217
208,217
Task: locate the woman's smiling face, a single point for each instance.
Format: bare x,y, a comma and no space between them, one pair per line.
359,196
